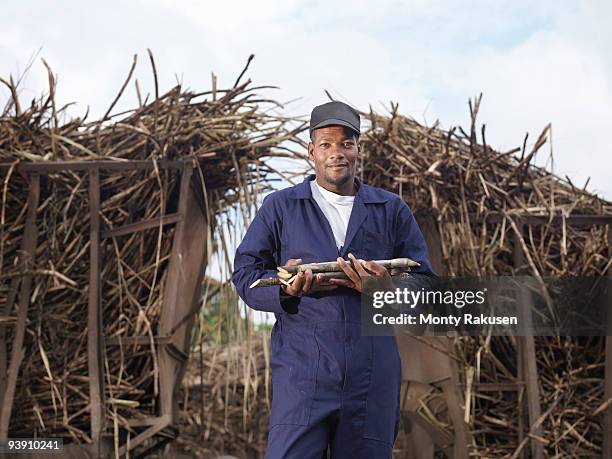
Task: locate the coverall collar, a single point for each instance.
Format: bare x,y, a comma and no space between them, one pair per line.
366,193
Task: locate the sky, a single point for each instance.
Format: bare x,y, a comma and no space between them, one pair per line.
535,62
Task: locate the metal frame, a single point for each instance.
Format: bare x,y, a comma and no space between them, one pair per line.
526,362
186,270
175,331
30,240
607,431
527,377
450,385
527,374
95,326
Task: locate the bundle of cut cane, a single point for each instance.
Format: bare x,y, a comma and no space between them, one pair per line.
330,270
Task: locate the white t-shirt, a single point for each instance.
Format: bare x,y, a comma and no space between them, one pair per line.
336,208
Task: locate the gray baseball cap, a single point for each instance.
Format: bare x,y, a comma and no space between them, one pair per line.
334,113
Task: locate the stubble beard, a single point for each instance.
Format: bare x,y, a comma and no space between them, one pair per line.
339,180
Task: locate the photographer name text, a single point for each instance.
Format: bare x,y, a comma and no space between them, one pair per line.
455,321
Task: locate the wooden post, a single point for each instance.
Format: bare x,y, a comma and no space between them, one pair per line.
176,270
182,295
456,403
607,427
5,311
158,425
451,386
95,343
30,240
520,393
527,349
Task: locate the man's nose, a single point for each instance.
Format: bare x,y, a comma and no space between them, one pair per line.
336,152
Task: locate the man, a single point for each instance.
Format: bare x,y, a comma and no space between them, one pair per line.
331,387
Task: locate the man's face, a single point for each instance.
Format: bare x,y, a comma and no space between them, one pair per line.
334,150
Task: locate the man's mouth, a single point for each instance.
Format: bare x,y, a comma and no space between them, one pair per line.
338,166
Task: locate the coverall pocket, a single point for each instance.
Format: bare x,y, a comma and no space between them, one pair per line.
378,246
294,361
383,400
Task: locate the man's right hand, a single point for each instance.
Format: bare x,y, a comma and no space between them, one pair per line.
305,282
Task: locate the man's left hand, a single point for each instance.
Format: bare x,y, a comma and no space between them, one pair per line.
359,271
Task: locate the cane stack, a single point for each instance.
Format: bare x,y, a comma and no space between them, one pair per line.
226,133
456,177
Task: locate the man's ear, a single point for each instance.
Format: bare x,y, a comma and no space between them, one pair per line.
311,151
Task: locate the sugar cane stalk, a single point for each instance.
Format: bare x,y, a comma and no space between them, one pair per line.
326,276
331,266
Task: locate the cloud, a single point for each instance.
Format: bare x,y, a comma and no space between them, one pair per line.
555,76
536,62
549,79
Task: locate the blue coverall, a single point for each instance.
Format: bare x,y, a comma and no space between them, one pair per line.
330,386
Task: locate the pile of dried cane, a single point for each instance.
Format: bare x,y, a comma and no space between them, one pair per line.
474,196
226,133
460,180
226,399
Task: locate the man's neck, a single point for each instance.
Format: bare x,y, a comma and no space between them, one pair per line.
347,189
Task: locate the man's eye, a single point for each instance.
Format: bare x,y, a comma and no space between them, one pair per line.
348,144
324,145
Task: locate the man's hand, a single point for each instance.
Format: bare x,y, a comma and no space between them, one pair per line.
305,282
359,271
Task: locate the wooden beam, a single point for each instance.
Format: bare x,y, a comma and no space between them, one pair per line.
30,240
607,427
196,249
141,226
95,346
176,353
496,387
144,422
536,220
433,240
520,375
424,438
4,312
453,395
452,392
135,340
456,404
572,220
159,424
533,394
528,351
45,167
176,268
